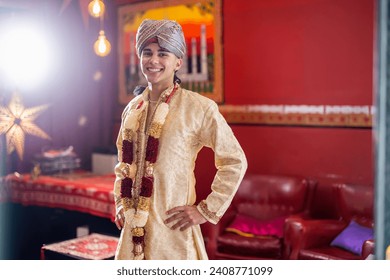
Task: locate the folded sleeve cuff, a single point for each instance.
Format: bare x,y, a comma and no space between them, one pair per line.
207,214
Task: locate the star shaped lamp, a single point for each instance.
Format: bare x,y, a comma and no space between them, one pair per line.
16,121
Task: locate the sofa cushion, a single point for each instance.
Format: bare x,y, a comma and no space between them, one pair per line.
266,247
353,237
250,227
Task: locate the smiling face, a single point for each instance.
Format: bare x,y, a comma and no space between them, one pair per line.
159,65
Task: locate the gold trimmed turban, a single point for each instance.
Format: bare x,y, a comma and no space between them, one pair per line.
168,33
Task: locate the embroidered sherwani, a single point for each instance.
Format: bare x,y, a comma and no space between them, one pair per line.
193,122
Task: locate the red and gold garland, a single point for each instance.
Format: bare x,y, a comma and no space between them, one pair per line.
136,203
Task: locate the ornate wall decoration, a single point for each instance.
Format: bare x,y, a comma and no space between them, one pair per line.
16,121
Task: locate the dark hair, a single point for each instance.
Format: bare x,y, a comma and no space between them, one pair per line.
176,79
138,90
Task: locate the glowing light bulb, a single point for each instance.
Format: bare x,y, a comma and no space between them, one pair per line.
102,46
96,8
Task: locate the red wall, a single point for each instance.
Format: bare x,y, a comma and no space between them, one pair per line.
300,52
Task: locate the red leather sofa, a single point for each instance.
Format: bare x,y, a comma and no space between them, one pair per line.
267,200
311,239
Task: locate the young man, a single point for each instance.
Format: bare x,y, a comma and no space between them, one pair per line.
162,131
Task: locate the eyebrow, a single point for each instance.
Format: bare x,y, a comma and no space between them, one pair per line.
159,50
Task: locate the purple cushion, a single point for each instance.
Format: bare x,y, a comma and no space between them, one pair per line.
353,237
252,227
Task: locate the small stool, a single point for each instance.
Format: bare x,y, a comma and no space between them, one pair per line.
90,247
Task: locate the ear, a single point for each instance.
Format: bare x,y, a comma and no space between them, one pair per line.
179,63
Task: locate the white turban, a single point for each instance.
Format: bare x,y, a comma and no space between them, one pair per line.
168,33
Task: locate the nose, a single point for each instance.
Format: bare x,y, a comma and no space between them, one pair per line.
154,59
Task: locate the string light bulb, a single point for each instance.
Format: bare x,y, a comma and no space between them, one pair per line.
102,46
96,8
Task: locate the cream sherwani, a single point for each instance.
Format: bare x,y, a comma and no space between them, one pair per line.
193,122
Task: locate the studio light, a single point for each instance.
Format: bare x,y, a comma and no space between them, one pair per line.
96,8
25,54
102,46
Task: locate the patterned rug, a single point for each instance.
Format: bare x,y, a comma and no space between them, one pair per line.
90,247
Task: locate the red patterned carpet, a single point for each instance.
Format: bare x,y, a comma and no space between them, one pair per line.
91,247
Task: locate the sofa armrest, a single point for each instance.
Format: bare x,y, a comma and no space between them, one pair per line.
292,230
368,248
303,234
